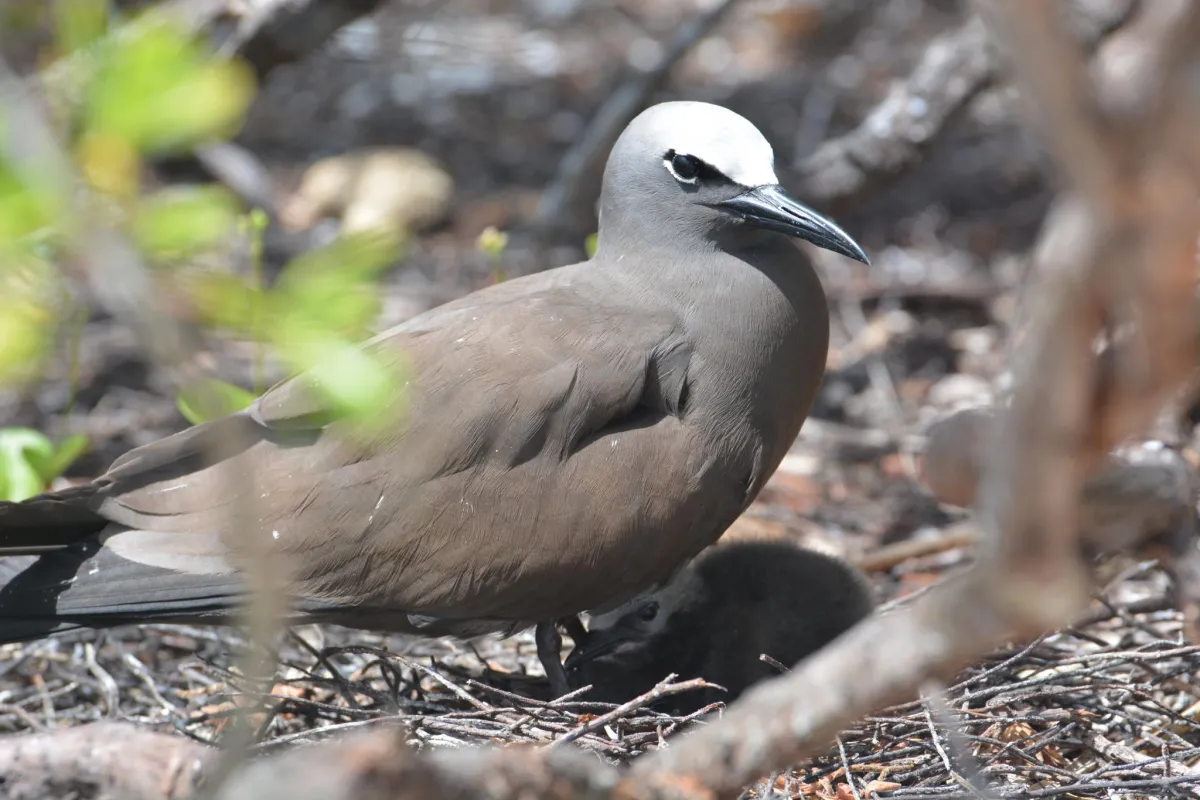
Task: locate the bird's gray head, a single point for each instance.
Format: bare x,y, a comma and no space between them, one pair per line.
705,172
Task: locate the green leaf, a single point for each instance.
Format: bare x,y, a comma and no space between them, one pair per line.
23,209
356,385
492,242
53,464
356,257
333,288
589,244
31,288
155,88
228,301
24,342
213,400
184,221
19,448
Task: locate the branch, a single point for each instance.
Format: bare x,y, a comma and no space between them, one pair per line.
380,766
268,33
956,67
106,759
121,760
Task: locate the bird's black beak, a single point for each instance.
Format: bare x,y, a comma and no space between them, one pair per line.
597,644
770,207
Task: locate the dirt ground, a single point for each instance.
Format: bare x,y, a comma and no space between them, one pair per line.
497,92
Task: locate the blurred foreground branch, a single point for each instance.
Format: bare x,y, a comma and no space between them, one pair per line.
102,760
117,760
1120,246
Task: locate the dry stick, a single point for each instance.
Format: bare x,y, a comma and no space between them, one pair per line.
320,733
273,32
1032,579
324,661
955,67
618,109
963,534
664,688
846,767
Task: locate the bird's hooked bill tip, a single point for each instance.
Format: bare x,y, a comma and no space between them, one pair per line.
598,644
770,207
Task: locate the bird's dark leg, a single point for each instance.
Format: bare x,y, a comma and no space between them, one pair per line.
549,645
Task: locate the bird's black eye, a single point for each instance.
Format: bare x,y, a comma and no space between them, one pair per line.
685,168
648,611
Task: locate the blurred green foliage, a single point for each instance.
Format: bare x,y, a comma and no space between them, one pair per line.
589,244
29,461
175,223
491,242
156,90
214,398
321,306
78,23
141,88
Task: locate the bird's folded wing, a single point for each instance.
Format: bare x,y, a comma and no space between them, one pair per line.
542,433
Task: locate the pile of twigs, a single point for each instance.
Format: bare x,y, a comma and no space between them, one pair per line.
440,704
1105,709
441,695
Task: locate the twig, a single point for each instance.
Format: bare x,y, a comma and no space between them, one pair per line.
112,694
955,67
664,688
888,556
846,766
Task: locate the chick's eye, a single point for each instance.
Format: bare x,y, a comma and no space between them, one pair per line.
648,612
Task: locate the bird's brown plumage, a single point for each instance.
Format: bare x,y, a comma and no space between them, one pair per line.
567,440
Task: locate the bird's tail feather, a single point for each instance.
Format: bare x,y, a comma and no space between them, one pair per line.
49,521
87,586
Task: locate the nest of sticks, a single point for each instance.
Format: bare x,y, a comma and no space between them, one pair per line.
1108,706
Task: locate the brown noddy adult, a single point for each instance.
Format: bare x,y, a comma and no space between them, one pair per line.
715,619
572,437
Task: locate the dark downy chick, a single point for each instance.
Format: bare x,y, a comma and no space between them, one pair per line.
716,618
